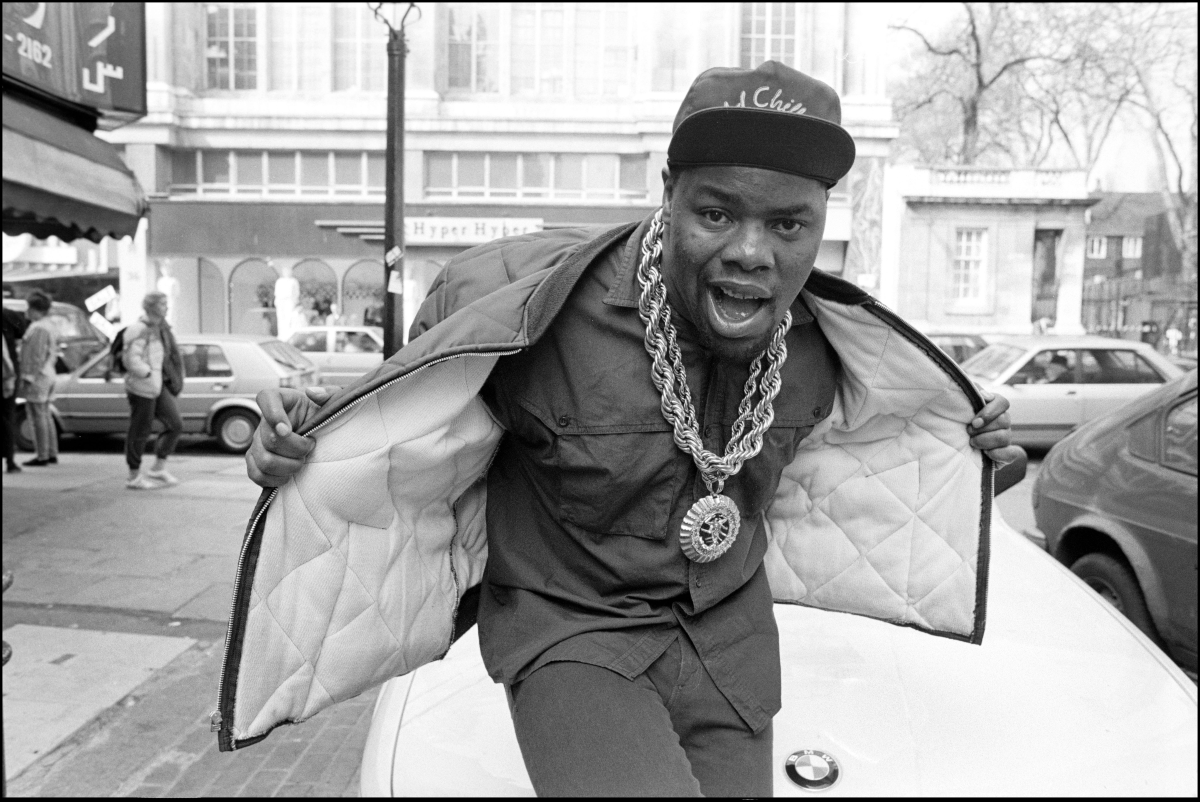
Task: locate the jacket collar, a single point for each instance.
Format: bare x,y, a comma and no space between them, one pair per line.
625,291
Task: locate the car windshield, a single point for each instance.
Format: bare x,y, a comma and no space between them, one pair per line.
286,355
989,363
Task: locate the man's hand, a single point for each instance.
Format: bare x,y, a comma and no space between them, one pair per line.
991,431
277,451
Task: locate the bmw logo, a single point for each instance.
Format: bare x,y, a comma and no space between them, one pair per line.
812,769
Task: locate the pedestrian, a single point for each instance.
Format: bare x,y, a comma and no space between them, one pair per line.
39,354
153,378
617,450
15,325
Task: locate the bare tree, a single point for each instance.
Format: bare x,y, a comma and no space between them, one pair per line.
966,71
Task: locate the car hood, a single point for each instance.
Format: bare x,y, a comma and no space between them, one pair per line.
1064,697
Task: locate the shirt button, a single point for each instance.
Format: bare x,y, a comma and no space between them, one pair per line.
816,412
564,420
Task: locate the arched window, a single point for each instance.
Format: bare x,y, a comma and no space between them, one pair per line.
252,298
213,319
318,289
362,294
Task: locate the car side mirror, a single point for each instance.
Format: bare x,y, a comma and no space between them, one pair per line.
1010,475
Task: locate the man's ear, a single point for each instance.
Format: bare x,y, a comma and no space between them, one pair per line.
668,190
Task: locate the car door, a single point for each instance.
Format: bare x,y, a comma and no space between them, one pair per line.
1112,377
1044,396
209,375
93,400
354,353
1178,459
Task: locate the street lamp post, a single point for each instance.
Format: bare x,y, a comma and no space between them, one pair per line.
393,210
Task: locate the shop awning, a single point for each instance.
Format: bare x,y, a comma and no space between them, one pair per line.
62,181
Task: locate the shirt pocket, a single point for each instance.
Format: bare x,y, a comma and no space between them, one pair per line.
618,482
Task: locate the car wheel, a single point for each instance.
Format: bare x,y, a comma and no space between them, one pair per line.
235,430
1117,585
23,430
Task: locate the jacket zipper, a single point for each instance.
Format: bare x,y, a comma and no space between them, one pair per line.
216,718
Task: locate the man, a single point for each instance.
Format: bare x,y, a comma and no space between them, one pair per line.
153,377
614,441
39,354
15,325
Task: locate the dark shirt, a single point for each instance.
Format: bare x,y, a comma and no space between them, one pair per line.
588,489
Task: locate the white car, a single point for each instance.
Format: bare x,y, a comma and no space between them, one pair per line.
1065,697
1054,383
343,353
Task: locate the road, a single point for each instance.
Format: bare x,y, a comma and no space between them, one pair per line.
117,618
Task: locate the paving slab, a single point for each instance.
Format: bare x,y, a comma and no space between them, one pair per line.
59,679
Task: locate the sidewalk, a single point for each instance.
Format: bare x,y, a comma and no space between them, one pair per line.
120,601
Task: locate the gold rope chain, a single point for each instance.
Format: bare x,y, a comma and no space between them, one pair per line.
677,407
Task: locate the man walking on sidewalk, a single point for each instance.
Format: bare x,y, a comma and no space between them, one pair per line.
15,325
153,377
39,352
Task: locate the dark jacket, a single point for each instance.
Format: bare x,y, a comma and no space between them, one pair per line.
884,512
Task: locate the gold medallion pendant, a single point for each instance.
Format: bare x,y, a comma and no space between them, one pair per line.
709,528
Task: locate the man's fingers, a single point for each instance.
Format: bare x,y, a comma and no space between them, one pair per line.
988,441
995,424
1003,456
320,394
996,406
280,440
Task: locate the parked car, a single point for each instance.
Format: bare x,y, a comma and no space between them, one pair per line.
343,353
960,346
224,373
78,339
1062,698
1116,502
1054,383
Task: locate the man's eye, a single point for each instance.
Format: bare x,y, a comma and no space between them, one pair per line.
789,226
714,215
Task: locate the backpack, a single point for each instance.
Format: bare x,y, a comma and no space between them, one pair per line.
117,349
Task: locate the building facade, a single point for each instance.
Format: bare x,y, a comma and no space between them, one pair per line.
989,251
263,148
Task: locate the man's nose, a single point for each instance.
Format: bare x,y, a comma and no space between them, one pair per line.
749,248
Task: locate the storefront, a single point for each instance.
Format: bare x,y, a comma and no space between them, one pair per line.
69,68
227,282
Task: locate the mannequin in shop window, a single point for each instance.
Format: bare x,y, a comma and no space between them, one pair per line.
168,285
287,304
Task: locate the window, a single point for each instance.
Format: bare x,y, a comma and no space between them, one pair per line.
473,55
968,270
1179,437
204,361
299,47
1097,247
1048,367
1104,366
566,176
768,32
355,342
571,49
310,341
1131,247
230,52
271,173
359,49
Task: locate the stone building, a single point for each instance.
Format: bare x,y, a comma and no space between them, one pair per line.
263,148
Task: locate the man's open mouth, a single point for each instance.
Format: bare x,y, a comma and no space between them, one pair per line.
735,311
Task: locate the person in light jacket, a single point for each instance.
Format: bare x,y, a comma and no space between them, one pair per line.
153,377
39,352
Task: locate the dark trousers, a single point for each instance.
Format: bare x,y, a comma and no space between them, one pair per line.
142,414
588,731
9,411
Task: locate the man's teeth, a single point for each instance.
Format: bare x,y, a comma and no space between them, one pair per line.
739,296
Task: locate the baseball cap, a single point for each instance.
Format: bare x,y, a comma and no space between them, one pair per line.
773,117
